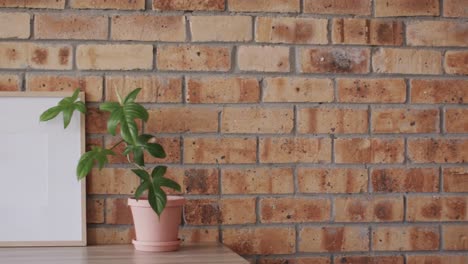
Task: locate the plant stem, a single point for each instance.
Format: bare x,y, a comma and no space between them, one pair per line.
118,143
134,164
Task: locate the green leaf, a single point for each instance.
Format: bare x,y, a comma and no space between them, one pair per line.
132,96
138,156
87,160
144,138
141,189
157,199
170,184
75,95
135,111
50,113
158,172
144,175
114,120
155,150
109,106
80,106
67,116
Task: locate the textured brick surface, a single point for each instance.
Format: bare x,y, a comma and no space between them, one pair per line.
407,61
9,82
334,239
300,131
351,7
148,28
15,25
291,30
366,31
386,8
401,238
48,26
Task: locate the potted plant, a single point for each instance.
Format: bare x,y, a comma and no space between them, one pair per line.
156,216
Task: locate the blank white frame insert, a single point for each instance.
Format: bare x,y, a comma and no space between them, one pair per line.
41,201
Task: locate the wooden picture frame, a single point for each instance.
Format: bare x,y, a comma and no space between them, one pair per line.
74,202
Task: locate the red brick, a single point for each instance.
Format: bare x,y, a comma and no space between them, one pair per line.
15,25
114,57
437,33
155,89
369,150
263,58
454,237
351,7
428,150
405,238
387,8
182,120
367,31
394,120
370,260
407,61
295,260
257,181
334,60
221,28
171,146
433,208
189,5
96,121
338,180
50,4
257,120
219,150
222,90
294,210
118,212
225,211
437,259
68,26
104,4
455,121
21,55
110,235
455,179
94,211
195,181
295,150
193,58
148,28
264,5
291,30
405,180
332,120
10,82
198,235
282,89
91,85
455,62
368,209
334,239
455,8
260,240
371,90
112,181
439,91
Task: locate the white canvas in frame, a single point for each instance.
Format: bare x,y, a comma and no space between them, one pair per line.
41,201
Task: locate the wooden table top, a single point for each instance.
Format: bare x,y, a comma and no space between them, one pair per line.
120,254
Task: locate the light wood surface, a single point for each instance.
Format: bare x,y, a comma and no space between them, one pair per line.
120,254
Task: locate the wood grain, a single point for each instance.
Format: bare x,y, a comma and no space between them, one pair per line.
120,254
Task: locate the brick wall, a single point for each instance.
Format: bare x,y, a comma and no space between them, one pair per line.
313,131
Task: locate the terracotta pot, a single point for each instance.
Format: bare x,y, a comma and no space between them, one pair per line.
154,234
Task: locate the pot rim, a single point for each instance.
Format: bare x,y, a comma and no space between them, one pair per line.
172,201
